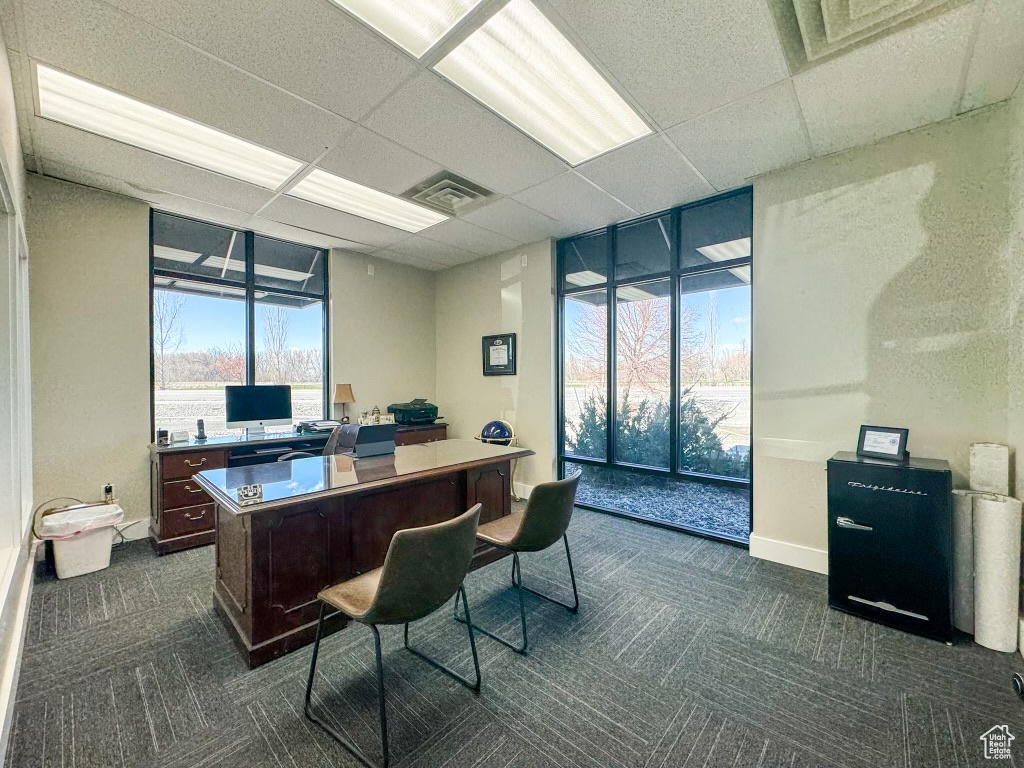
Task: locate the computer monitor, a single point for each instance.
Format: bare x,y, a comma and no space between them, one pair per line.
258,406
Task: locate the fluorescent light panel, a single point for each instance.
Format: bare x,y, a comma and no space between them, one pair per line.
519,65
175,254
81,104
731,249
415,25
234,265
344,195
586,277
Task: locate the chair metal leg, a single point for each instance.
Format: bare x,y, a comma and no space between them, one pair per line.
475,687
333,732
517,584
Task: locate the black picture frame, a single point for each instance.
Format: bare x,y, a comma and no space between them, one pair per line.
900,434
492,360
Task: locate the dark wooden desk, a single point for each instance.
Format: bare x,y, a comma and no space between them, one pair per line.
324,520
181,513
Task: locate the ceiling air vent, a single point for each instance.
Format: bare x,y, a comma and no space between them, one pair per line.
814,31
450,194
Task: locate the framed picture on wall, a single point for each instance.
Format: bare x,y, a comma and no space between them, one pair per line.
883,442
500,355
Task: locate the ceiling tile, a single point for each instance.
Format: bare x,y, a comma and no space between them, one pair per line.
281,231
648,175
469,238
308,47
97,42
514,220
370,159
903,81
412,261
328,221
754,135
143,171
681,59
431,250
438,121
575,203
997,63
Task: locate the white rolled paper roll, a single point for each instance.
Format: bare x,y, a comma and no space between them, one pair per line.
990,468
997,533
963,560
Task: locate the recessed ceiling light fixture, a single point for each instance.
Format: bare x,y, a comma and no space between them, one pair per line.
81,104
344,195
519,65
414,24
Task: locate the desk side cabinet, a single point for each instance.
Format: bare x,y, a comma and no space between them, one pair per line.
890,542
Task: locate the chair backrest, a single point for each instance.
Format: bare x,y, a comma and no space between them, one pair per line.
331,447
424,567
547,515
295,455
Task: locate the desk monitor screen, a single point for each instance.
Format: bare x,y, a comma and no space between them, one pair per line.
258,406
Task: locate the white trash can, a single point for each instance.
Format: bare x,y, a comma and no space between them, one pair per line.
82,537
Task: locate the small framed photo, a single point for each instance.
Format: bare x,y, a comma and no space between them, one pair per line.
883,442
500,355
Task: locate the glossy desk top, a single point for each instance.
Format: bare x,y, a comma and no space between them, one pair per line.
285,482
234,441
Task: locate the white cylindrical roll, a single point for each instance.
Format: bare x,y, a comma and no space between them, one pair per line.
990,468
963,560
997,531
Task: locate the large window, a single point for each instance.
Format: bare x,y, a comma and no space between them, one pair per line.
233,307
655,319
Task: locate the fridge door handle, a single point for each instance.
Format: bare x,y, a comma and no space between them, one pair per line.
846,522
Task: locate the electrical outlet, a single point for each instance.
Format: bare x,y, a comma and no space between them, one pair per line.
108,492
369,269
524,259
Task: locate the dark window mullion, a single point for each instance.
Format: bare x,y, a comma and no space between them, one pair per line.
325,357
611,414
250,309
674,356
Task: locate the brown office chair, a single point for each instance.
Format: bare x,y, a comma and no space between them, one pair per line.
544,521
423,568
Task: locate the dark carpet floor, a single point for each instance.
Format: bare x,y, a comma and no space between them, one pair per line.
685,652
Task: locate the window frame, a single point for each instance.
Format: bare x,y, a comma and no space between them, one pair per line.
251,288
674,275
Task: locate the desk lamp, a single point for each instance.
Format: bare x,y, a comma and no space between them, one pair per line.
342,396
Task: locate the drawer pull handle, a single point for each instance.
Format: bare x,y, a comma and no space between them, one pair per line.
201,462
190,489
200,516
846,522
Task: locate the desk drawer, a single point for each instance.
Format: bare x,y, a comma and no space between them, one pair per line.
181,522
181,466
184,493
418,436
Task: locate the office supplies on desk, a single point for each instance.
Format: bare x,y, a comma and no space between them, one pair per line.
313,427
367,440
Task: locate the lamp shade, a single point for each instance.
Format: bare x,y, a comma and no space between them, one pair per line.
343,393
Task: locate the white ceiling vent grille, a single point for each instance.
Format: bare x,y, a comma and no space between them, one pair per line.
814,31
449,194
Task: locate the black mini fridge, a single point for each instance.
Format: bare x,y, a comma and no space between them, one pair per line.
890,542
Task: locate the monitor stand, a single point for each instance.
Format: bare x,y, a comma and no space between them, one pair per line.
254,432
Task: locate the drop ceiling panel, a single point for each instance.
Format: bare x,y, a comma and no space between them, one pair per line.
281,231
575,203
99,43
997,65
754,135
308,47
514,220
468,237
681,59
433,251
143,170
370,159
648,175
438,121
409,261
318,218
901,82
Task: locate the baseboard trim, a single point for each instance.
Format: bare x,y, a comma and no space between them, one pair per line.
795,555
522,490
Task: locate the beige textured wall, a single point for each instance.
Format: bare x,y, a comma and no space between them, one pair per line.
90,344
382,334
1016,313
498,294
880,297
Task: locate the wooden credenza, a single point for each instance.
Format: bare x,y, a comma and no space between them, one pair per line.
182,513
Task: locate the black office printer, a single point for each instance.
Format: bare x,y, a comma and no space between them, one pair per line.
418,411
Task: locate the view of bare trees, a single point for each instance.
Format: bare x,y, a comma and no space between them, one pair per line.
276,361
